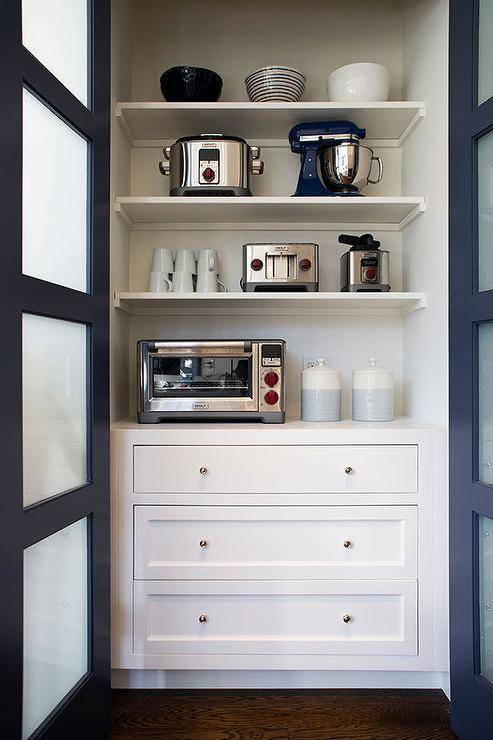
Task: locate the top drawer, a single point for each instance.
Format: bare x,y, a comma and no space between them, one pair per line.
276,469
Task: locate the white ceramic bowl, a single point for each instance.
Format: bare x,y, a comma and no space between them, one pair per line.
276,83
363,81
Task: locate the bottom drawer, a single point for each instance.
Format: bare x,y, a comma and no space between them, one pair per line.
273,617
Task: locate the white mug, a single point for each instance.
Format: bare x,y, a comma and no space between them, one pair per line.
185,261
182,282
208,261
207,282
162,260
158,282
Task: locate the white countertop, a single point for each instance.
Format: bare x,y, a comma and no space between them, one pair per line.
294,430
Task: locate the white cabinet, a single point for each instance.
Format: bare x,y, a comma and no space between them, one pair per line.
274,469
195,542
275,557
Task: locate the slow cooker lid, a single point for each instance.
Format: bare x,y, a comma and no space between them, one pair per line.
210,137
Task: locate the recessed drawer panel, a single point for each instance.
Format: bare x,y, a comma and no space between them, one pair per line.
195,542
276,469
271,617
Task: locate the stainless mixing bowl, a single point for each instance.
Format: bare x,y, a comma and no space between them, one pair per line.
347,167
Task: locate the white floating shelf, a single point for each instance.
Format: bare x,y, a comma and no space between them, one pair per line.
269,304
392,120
327,213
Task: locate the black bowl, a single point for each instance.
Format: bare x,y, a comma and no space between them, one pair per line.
191,84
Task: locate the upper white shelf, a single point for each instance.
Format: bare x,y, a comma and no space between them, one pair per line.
264,212
392,120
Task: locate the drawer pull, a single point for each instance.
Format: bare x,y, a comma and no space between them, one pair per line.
347,618
348,470
347,544
203,618
203,543
203,470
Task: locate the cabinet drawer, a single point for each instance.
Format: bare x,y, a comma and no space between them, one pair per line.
272,617
276,469
195,542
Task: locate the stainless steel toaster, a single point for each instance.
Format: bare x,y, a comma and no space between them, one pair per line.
365,268
211,164
280,267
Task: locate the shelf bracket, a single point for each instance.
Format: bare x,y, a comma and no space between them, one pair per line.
411,125
124,215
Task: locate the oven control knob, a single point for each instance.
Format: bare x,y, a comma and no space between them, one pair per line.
271,397
208,174
256,264
271,378
305,264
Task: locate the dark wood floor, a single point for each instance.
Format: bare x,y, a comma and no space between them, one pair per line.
281,715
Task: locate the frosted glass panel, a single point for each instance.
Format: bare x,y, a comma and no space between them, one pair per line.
54,406
55,31
485,402
485,61
54,198
485,212
55,621
486,595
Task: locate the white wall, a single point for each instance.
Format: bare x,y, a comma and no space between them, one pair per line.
238,37
425,241
425,257
120,183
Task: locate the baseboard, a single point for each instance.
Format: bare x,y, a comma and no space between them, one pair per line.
153,679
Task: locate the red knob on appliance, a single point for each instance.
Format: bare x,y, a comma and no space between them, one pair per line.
256,264
208,174
305,264
271,397
371,273
271,378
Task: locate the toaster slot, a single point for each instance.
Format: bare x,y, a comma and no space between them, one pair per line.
280,266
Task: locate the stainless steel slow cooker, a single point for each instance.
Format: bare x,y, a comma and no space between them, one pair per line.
211,164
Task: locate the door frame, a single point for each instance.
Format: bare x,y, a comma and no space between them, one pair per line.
87,705
472,695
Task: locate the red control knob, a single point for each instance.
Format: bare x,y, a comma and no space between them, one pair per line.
271,378
305,264
371,273
256,264
271,397
208,174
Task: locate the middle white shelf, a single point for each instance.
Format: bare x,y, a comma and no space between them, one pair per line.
269,304
382,212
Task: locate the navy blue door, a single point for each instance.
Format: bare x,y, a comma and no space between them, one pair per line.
54,501
471,367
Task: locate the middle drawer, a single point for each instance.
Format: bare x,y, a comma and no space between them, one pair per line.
252,542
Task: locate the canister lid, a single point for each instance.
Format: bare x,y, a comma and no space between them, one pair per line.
373,376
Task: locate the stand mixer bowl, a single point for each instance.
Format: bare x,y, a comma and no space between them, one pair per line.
346,167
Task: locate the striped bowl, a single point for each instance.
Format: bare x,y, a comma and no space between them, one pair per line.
275,83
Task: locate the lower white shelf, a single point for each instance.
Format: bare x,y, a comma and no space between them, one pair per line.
269,304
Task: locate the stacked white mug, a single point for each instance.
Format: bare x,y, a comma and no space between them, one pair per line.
208,272
161,270
185,271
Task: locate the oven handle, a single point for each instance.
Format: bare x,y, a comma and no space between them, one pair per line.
202,348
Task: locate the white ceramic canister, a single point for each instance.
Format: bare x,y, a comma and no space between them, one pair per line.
373,393
320,392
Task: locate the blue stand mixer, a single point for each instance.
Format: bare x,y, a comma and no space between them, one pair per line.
322,147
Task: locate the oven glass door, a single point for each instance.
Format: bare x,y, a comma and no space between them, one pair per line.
209,378
214,377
